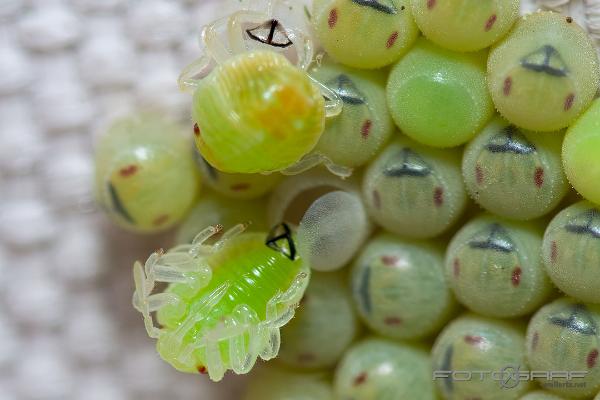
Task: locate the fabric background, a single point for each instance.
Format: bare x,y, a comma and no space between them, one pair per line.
67,67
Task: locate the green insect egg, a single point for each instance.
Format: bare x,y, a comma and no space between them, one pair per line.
414,190
274,383
225,302
215,209
495,267
328,212
571,251
515,173
438,97
237,186
257,112
465,25
324,326
354,137
399,288
563,336
364,33
472,344
381,369
581,152
145,177
541,395
545,73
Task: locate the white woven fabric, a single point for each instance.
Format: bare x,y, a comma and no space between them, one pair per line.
67,330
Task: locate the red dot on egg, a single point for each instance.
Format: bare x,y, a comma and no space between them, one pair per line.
516,276
240,187
490,22
376,199
456,267
507,86
538,177
478,174
196,130
534,340
128,171
202,369
553,251
360,379
393,321
392,40
160,220
438,196
333,18
592,358
389,261
365,130
569,102
431,4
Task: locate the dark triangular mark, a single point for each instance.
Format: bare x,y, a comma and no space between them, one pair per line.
586,223
547,60
345,88
118,206
271,33
411,164
495,238
579,320
363,289
378,5
280,239
447,366
510,140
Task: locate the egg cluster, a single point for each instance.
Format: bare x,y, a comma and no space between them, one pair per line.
423,179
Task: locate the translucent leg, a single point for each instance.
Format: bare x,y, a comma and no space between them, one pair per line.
176,266
333,102
315,159
190,77
211,36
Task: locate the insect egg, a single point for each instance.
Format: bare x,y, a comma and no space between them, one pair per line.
225,302
581,152
399,288
364,33
514,173
472,343
329,214
465,25
563,336
237,186
541,395
439,97
495,268
571,251
352,138
276,383
324,325
145,173
545,73
414,190
382,369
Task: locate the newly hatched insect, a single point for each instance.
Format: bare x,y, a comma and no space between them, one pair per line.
364,33
581,152
439,97
414,190
215,209
330,216
225,302
563,336
461,25
571,251
275,383
515,173
237,186
495,267
354,137
254,110
545,73
541,395
474,343
145,176
324,326
382,369
399,288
